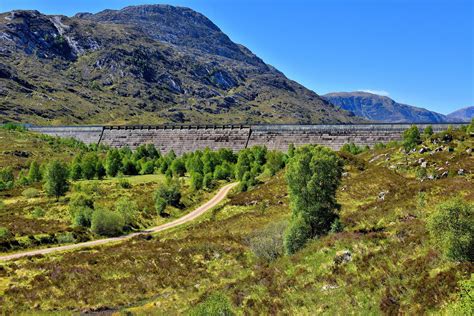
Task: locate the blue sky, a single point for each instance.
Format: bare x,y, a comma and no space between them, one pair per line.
419,52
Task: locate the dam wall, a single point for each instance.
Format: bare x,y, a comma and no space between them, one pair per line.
184,139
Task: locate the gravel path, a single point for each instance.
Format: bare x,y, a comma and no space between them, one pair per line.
182,220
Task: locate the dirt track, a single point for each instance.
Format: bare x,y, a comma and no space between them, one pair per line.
182,220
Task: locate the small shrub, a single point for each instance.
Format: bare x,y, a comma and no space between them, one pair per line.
65,238
82,216
14,127
352,148
38,212
128,209
267,244
4,233
411,138
336,226
215,305
124,183
297,234
452,228
30,193
107,223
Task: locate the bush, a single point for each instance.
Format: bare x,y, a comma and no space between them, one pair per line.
107,223
4,233
196,181
22,179
30,193
275,161
160,205
89,165
352,149
208,181
215,305
178,168
38,212
336,226
6,178
14,127
452,228
170,193
148,167
81,209
411,138
65,238
267,244
34,173
128,209
223,172
124,183
296,235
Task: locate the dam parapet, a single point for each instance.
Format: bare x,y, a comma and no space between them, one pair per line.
186,138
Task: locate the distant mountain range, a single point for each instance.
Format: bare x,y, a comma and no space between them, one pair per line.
144,64
383,109
462,115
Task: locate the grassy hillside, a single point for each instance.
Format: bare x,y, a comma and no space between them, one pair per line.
382,262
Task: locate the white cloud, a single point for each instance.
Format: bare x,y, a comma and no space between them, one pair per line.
379,92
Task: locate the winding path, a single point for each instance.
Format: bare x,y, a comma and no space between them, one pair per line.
182,220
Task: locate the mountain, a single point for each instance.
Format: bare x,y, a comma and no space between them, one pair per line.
463,115
381,108
142,65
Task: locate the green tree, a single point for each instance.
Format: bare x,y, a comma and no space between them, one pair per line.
128,209
107,223
100,170
428,131
22,178
196,180
56,179
291,150
88,165
178,168
34,173
243,164
275,161
148,167
170,193
6,178
452,229
76,170
313,176
113,162
411,138
224,171
208,181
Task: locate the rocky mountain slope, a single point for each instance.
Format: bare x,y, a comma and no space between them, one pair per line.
381,108
142,65
463,115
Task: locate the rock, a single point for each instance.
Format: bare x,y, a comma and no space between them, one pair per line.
342,257
382,195
424,164
439,149
328,287
430,177
461,172
469,151
424,150
421,160
345,174
444,174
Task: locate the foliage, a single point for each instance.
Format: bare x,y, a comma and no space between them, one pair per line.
113,162
411,138
89,165
223,171
6,178
275,161
313,176
81,208
76,170
215,305
30,193
178,167
170,193
107,223
13,127
196,181
124,183
38,212
297,234
34,173
208,181
452,229
148,167
353,148
4,233
428,131
128,209
267,244
56,179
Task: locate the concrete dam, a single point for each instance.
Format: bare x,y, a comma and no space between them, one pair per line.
186,138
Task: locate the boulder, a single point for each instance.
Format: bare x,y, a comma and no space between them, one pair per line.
342,257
